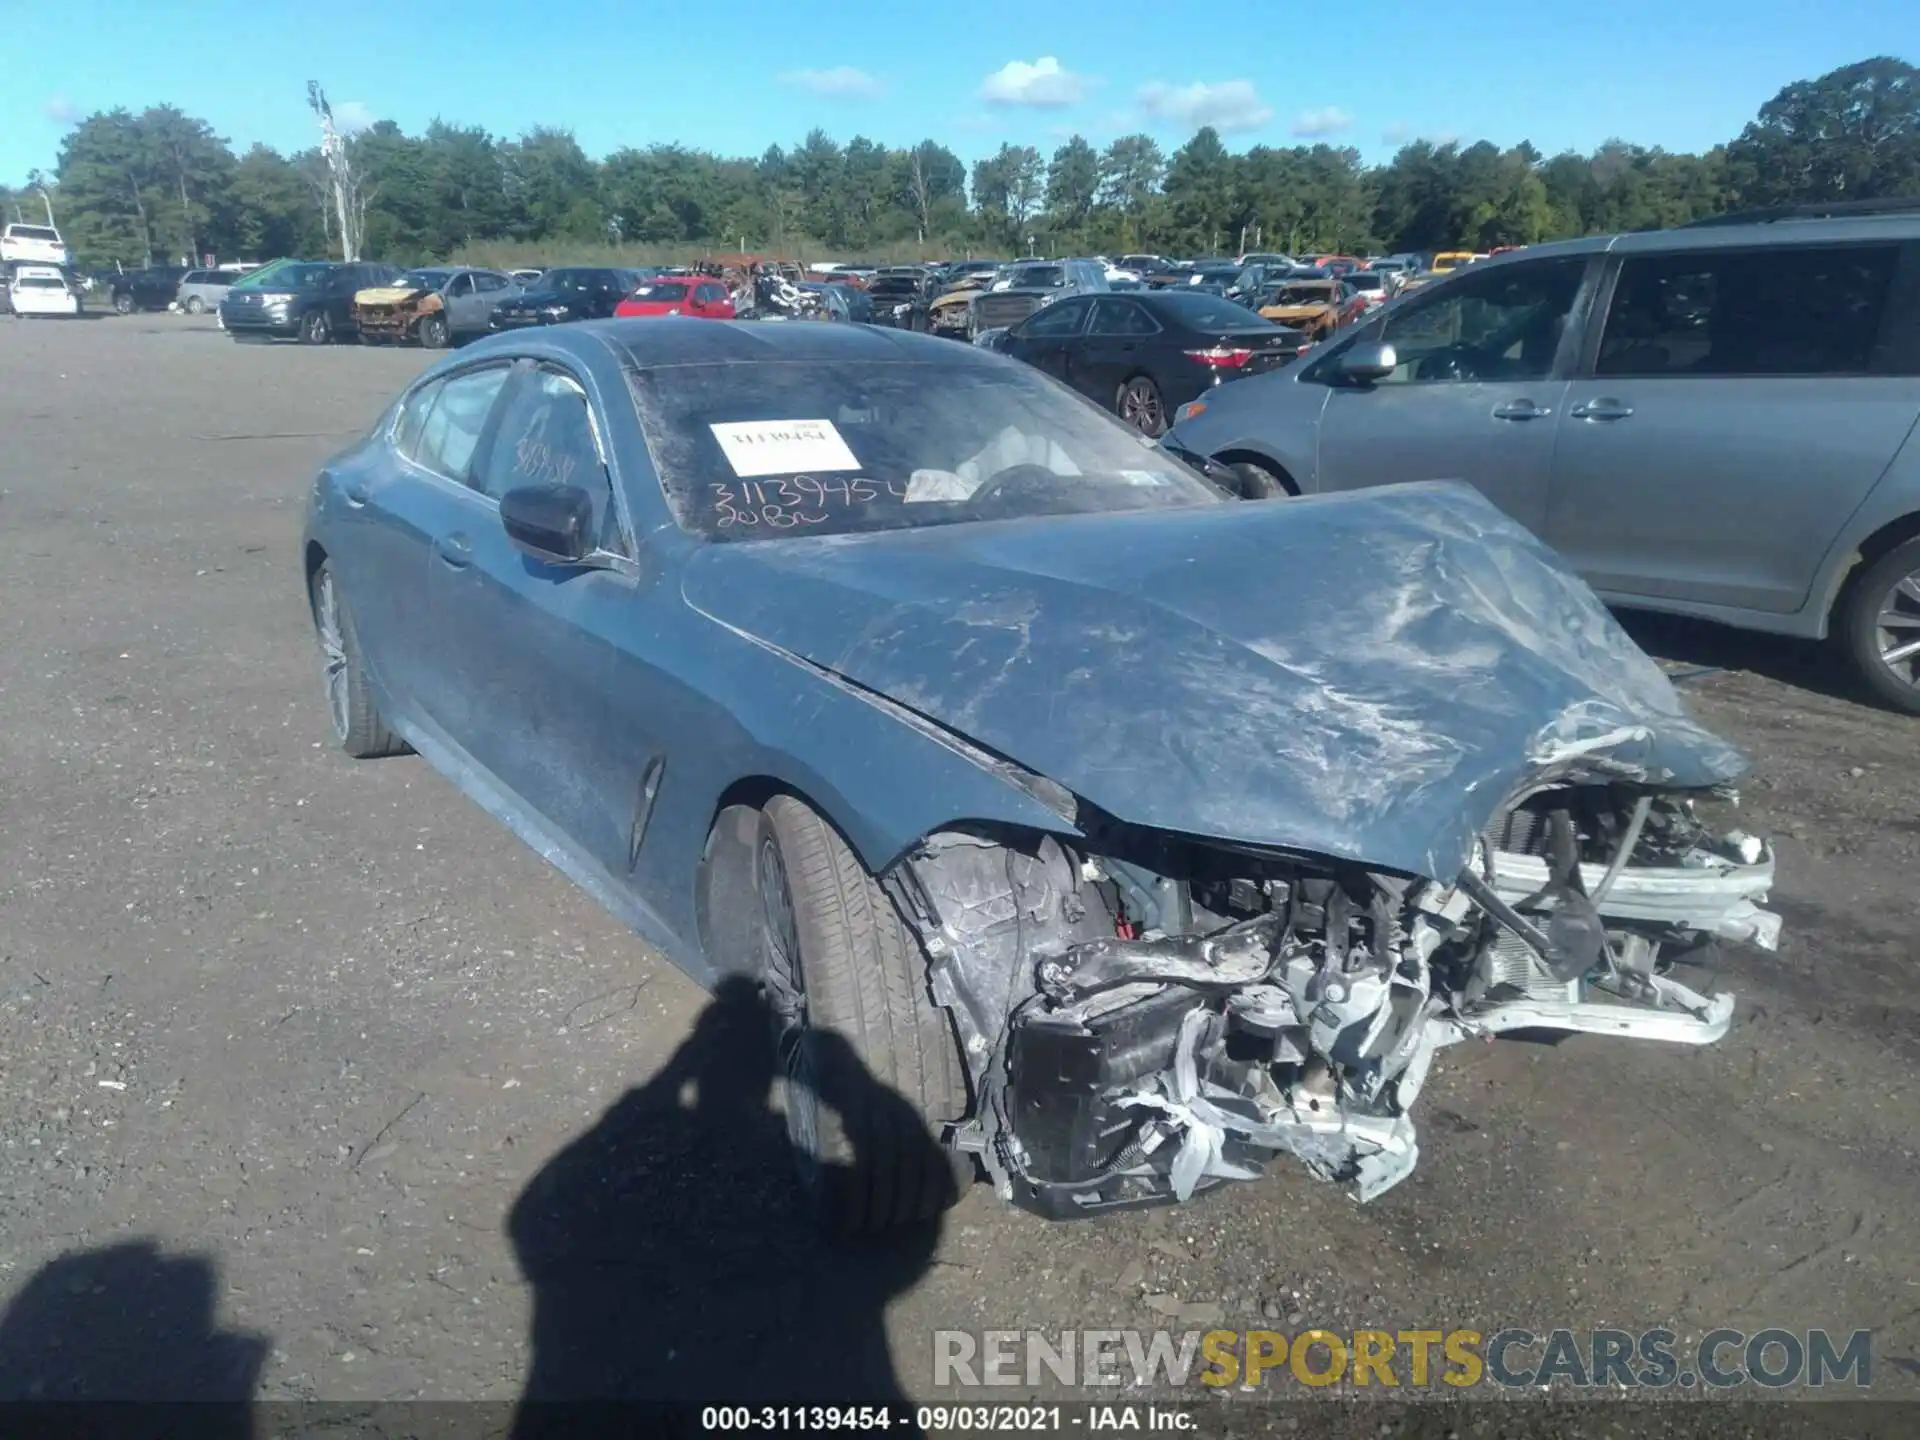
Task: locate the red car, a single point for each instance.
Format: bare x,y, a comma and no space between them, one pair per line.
692,295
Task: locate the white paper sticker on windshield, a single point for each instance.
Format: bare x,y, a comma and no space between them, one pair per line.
783,447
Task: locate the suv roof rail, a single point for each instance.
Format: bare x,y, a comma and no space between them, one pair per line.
1816,210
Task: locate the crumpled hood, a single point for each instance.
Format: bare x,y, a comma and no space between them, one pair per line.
1364,675
388,294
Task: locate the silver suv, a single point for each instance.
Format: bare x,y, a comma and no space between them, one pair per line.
1023,287
1718,420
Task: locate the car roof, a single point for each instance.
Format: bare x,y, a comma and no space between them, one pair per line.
645,344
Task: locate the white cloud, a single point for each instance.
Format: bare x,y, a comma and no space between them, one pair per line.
842,82
1228,105
61,110
1044,84
1314,124
350,117
976,122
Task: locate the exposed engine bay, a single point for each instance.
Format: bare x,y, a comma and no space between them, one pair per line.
1150,1016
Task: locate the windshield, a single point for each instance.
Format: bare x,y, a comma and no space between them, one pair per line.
300,275
661,290
424,279
894,285
40,282
33,232
837,448
1038,277
1299,295
1365,280
570,282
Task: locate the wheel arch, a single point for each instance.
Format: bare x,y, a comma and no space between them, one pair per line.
1244,456
1861,558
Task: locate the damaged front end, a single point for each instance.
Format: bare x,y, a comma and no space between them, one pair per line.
1146,1016
391,314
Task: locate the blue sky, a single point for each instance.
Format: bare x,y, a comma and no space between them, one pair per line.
1679,73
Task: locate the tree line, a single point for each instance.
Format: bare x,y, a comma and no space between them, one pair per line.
134,188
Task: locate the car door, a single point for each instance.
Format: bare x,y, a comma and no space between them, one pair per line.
460,300
1476,394
1044,337
400,498
489,290
548,694
1734,408
1113,348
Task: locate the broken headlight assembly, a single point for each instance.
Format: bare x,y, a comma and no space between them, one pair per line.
1151,1016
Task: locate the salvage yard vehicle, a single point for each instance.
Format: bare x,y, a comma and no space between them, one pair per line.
568,292
307,300
202,290
951,311
1721,420
1315,307
41,290
697,297
434,306
152,288
880,671
1142,355
22,244
1019,290
900,298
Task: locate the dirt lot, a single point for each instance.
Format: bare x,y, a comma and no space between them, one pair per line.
312,1079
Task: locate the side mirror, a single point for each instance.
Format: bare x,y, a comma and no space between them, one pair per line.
1365,363
550,522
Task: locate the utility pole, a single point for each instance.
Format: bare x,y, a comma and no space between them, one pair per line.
333,150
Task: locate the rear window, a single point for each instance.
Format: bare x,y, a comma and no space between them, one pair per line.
33,232
40,282
1209,312
661,290
1365,280
1038,276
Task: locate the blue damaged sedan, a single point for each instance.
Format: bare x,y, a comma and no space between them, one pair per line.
1116,836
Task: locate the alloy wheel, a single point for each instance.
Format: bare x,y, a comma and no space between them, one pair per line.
1140,407
1897,630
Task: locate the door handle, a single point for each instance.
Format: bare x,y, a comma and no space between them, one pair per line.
455,551
1604,408
1521,410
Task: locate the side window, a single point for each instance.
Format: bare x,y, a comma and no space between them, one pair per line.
487,284
546,437
452,427
459,285
413,418
1121,317
1785,310
1499,325
1056,321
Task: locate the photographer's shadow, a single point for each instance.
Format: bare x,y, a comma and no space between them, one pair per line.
669,1253
124,1324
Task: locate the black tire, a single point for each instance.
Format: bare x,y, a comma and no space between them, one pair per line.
194,305
315,328
1257,482
871,1064
357,726
123,303
434,332
1139,403
1887,590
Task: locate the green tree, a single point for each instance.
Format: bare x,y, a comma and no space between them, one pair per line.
1073,183
1853,133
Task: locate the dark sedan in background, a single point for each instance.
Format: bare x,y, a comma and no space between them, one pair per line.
567,293
308,300
1146,353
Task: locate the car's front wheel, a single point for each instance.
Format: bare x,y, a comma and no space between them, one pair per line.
1140,405
357,726
314,329
870,1064
1880,626
123,304
195,305
434,332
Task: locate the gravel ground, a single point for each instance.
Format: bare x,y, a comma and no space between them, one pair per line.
313,1080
